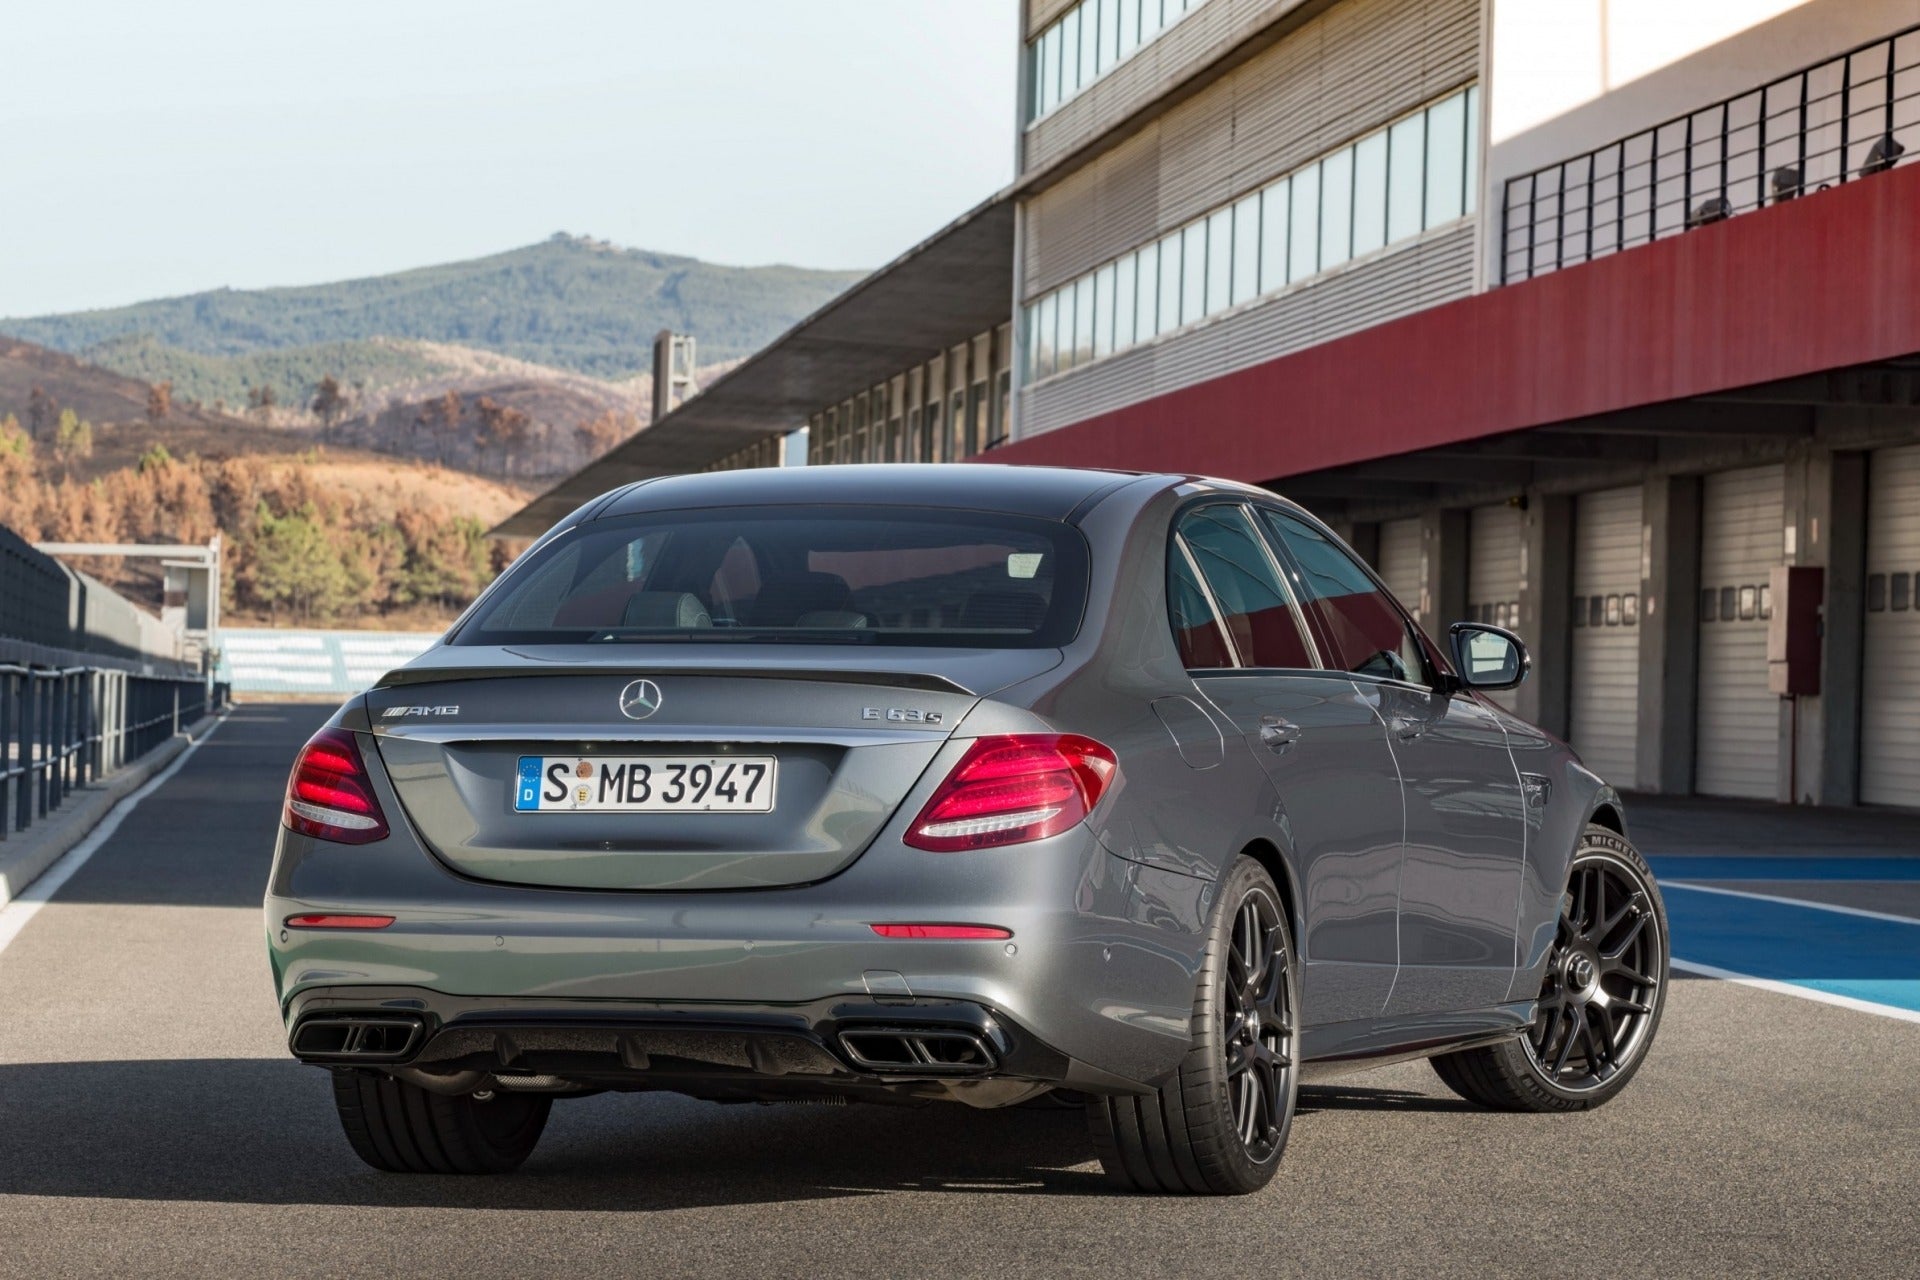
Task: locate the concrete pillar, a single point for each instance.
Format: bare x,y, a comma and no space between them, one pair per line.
1546,600
1826,506
1364,537
1443,572
1669,633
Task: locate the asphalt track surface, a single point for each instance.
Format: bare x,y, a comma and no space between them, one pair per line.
151,1122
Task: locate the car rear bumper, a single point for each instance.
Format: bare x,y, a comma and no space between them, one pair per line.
1094,987
827,1046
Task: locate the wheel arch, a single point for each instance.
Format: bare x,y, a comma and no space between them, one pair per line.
1268,855
1607,811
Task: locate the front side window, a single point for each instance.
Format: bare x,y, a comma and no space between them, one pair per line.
1258,611
850,575
1369,635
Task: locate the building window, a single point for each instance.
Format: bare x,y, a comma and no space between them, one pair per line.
1193,273
1147,281
1125,303
1303,248
1385,188
1090,40
1169,283
1246,249
1220,261
1083,320
1446,160
1275,207
1406,177
1336,207
1370,194
1103,311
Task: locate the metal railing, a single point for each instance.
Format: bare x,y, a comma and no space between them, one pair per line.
1848,117
63,727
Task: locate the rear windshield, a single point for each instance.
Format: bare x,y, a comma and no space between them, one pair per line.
828,575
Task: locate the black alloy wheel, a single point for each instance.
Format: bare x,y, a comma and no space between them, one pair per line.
1259,1038
1600,998
1219,1125
1603,978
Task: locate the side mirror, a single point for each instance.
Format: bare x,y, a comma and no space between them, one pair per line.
1488,657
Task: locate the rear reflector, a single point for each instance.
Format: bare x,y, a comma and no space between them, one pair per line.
976,931
1014,788
330,796
338,922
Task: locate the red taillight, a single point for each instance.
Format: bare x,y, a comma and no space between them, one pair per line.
330,795
1014,788
969,931
338,922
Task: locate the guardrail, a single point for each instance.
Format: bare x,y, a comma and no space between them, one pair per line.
63,727
1834,121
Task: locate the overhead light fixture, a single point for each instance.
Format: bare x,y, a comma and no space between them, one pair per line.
1885,154
1718,209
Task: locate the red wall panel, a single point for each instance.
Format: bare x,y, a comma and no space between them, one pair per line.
1826,281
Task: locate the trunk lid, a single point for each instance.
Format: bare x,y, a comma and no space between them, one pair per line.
851,733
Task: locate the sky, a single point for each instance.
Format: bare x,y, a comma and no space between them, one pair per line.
148,150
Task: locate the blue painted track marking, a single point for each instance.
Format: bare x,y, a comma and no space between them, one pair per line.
1877,961
1903,870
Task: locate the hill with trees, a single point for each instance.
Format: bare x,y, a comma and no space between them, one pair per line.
353,442
571,302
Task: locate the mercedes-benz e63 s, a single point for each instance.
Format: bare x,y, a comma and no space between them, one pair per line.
969,783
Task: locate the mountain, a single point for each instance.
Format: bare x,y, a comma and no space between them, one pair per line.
225,381
67,383
571,301
341,523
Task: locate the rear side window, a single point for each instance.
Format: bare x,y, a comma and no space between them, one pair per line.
1196,628
1368,633
865,575
1258,611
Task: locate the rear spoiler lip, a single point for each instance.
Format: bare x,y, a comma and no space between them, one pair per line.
824,675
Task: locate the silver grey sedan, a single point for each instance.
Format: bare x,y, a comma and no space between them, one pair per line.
963,783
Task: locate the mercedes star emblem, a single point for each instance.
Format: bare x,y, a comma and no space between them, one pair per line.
639,699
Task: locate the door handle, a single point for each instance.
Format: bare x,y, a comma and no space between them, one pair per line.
1407,728
1278,732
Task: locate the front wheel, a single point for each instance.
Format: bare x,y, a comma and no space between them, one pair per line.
1600,1000
1219,1125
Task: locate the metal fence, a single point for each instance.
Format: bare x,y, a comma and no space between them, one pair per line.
63,727
33,594
1846,118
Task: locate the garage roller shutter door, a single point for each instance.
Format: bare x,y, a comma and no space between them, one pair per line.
1605,707
1739,718
1890,705
1399,565
1493,572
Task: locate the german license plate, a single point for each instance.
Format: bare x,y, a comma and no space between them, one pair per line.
645,784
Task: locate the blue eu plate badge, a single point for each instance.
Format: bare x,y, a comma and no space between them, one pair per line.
526,794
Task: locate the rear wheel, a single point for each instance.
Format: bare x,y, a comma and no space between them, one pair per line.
402,1128
1600,1002
1219,1125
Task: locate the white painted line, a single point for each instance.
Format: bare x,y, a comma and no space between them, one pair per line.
1834,907
14,916
1804,993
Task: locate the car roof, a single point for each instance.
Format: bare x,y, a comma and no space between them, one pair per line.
1045,492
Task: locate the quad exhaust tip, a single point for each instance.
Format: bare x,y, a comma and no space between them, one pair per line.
353,1039
918,1050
